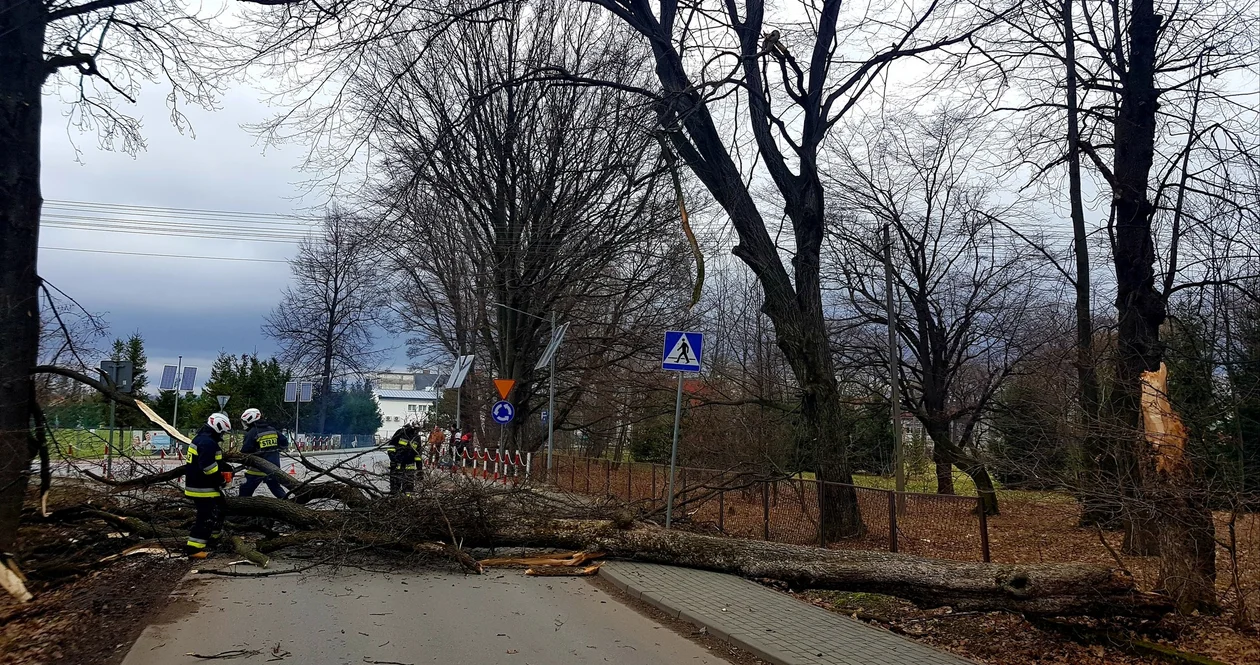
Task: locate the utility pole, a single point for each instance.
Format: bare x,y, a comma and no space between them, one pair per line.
894,362
551,401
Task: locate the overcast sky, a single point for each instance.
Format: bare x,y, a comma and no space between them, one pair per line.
196,308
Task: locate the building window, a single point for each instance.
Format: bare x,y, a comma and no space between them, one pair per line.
411,407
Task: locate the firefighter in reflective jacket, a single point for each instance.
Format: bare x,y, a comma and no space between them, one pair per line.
264,441
205,476
402,459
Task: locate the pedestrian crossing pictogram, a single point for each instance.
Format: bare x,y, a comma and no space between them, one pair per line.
682,351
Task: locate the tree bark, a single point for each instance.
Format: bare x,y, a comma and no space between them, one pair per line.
1160,511
944,471
1044,589
1098,505
21,78
948,455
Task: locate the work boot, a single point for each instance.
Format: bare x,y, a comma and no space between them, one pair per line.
199,554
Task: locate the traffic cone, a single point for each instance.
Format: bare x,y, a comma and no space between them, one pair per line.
292,470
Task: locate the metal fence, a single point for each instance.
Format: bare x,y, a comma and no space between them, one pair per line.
786,510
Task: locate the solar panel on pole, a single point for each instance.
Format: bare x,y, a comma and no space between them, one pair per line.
291,391
168,377
190,378
307,391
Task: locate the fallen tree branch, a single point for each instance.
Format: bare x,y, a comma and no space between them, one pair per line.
1042,589
138,481
302,492
258,558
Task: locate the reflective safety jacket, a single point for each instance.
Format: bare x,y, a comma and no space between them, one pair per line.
402,449
266,442
203,470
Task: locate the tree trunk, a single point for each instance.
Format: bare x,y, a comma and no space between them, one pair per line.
1158,511
948,455
823,431
21,78
325,386
1045,589
1098,505
944,471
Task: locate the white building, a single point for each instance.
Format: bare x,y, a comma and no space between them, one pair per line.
404,396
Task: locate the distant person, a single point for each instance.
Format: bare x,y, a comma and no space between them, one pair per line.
266,442
436,438
402,459
205,476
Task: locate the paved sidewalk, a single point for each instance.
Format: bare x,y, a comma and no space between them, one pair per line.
770,625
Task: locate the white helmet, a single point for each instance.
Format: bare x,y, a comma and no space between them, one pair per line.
251,416
219,422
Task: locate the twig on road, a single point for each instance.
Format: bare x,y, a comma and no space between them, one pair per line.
227,655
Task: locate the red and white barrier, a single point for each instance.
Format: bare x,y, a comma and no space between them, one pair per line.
493,465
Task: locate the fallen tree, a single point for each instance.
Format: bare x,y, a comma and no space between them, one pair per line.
1039,589
342,510
450,515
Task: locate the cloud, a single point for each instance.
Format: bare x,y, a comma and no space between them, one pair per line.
196,307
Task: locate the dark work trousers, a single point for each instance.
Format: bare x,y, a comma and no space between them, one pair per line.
402,479
208,527
407,484
252,482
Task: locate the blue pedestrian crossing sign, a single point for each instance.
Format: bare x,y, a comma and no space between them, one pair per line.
503,412
682,351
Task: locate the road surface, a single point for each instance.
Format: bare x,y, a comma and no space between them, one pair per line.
359,617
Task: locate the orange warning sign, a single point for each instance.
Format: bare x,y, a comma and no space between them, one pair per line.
504,386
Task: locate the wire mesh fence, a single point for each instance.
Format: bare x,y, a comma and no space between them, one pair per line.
786,510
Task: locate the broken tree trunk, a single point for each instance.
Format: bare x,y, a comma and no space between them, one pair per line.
443,516
1043,589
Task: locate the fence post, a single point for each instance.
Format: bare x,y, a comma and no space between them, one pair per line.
892,521
984,528
822,533
629,481
765,510
722,510
608,476
588,475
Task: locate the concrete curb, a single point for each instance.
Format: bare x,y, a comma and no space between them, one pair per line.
822,638
726,633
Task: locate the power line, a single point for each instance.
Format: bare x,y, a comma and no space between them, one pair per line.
208,233
128,208
165,256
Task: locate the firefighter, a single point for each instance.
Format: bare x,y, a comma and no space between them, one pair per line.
205,476
266,442
402,459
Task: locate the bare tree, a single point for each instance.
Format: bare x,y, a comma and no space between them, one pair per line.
1149,89
969,288
96,54
516,203
325,323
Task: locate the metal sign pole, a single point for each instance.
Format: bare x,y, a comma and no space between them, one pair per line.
109,451
179,367
673,454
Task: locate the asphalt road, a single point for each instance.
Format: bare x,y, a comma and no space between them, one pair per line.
357,617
